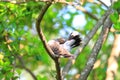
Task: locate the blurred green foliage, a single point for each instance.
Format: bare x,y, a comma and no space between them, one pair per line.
18,38
115,17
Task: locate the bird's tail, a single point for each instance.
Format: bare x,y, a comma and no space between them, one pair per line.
76,37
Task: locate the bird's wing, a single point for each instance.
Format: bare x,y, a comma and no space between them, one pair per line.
59,50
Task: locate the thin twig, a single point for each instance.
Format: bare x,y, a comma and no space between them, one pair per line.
59,1
86,12
103,3
92,58
42,37
86,41
24,67
19,58
78,7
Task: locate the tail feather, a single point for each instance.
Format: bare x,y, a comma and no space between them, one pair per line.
75,36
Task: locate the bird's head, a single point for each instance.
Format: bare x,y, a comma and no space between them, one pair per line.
61,40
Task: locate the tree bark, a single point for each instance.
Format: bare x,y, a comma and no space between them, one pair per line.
112,61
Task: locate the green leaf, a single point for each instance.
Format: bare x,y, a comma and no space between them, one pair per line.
117,26
42,77
116,5
114,17
9,75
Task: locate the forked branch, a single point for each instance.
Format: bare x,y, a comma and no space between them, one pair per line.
43,39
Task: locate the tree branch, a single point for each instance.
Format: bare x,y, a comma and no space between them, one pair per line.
59,1
86,41
19,58
92,58
58,69
42,37
24,67
39,30
112,63
78,7
103,3
86,12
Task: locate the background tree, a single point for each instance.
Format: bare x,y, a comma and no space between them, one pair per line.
23,55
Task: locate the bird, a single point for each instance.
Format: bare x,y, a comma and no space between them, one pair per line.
62,47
